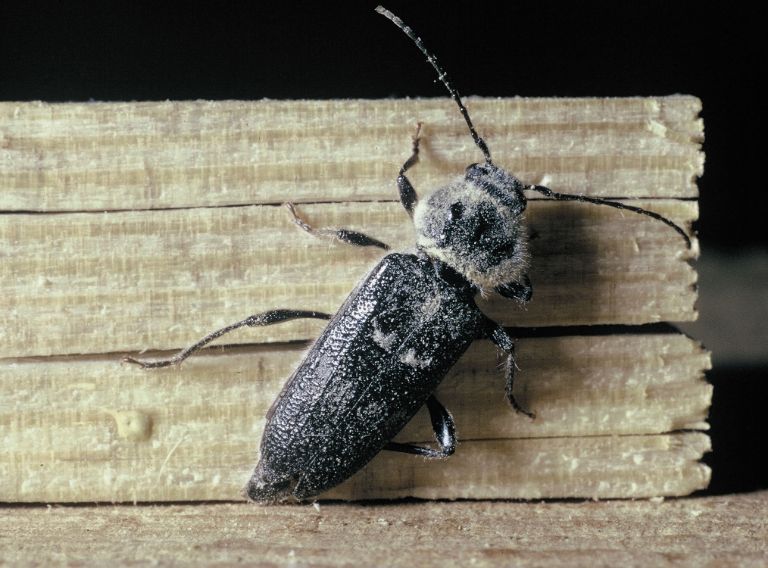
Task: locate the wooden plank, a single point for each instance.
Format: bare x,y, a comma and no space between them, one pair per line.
90,429
590,467
118,156
91,266
123,281
729,530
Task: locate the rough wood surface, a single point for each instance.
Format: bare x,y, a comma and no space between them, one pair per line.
713,531
121,156
91,429
135,279
145,225
96,283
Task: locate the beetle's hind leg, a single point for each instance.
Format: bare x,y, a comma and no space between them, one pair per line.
339,234
445,434
257,320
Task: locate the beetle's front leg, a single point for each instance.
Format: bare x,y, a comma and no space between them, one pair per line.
405,188
257,320
521,290
506,343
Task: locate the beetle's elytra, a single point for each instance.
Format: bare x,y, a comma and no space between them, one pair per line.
383,354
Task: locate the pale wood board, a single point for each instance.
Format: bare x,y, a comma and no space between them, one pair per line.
91,429
711,531
146,225
125,281
125,156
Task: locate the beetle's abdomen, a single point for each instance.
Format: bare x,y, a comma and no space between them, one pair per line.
373,367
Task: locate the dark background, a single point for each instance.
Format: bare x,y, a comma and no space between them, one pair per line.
77,51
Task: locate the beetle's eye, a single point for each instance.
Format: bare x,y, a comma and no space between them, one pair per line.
457,210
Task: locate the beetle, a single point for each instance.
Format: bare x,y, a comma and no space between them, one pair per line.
385,351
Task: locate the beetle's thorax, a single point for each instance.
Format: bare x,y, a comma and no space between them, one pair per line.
476,226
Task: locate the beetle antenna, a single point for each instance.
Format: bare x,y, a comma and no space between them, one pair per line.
618,205
443,76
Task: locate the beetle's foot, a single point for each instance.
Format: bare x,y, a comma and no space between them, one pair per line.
519,409
150,364
528,413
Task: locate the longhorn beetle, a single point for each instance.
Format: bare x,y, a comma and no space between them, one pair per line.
383,354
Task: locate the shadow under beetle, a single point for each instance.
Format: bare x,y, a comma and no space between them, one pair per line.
383,354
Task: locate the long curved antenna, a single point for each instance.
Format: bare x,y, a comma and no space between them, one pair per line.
443,76
618,205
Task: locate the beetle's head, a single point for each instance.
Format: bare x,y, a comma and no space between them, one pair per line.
476,226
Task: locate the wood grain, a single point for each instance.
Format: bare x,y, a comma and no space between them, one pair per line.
727,530
151,155
127,226
116,282
91,429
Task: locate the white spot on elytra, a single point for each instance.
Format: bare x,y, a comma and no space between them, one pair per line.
383,340
409,358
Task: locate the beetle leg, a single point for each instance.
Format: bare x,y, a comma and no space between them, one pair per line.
343,235
408,195
256,320
521,291
507,344
445,434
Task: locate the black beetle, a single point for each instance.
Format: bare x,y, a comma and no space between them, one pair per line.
383,354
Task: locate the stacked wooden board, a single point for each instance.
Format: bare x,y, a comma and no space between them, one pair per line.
129,226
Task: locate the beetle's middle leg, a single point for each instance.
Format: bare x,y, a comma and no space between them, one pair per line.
507,344
257,320
340,234
445,434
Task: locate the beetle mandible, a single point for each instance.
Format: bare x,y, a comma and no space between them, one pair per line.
385,351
